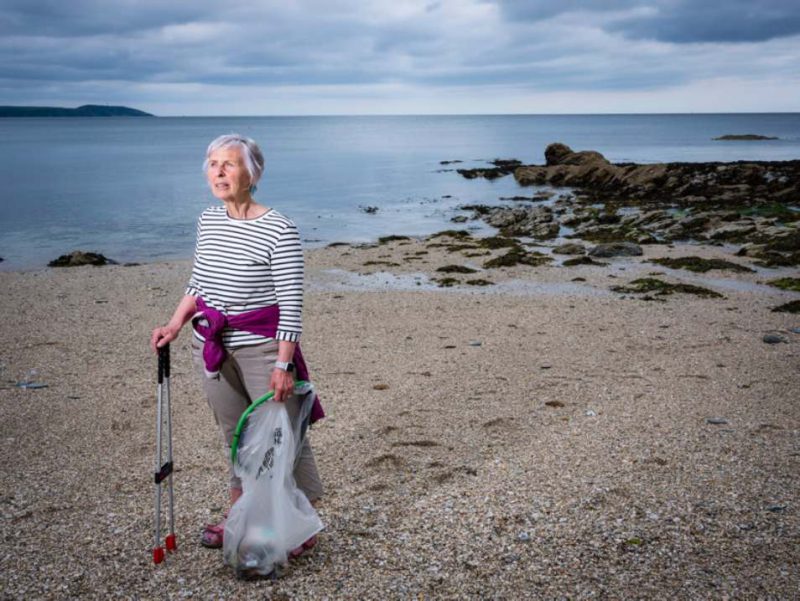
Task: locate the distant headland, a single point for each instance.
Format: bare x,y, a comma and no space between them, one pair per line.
87,110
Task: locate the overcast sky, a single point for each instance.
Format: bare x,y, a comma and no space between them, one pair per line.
268,57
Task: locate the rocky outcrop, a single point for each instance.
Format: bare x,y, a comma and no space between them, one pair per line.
756,204
681,184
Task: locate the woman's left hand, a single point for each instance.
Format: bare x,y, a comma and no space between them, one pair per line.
282,382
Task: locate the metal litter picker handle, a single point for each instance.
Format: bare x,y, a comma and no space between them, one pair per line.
163,471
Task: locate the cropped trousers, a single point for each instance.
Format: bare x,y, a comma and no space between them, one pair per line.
243,378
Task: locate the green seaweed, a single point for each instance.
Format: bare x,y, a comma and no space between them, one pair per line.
518,256
495,242
790,307
786,284
771,210
479,282
662,288
446,282
456,269
699,265
392,238
386,263
459,234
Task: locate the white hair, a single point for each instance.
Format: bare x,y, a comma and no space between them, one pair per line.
253,158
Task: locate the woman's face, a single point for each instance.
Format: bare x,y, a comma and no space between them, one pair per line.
227,174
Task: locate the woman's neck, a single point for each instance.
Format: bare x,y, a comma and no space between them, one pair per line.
243,208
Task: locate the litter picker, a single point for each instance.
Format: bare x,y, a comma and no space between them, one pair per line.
163,471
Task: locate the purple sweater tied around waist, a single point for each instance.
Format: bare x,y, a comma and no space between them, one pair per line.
209,323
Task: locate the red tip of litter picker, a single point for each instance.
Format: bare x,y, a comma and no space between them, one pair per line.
172,545
158,554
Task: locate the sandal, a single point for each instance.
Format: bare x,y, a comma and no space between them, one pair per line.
212,534
306,546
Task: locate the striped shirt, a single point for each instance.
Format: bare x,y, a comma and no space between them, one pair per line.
246,264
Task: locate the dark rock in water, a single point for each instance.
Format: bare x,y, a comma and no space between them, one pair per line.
387,239
79,257
1,259
369,210
699,265
745,137
459,219
774,338
790,307
570,248
506,163
616,249
501,167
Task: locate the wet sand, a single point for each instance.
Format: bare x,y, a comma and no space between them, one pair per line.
539,438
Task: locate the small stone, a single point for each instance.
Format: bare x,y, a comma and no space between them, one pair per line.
554,403
795,330
380,387
776,508
774,338
590,413
523,537
716,421
474,342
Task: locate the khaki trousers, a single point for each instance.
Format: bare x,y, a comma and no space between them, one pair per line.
244,377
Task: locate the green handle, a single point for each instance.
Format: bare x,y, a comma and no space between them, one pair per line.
253,406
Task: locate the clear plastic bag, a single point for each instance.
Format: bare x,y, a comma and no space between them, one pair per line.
272,516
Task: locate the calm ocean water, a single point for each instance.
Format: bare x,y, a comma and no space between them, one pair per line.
132,188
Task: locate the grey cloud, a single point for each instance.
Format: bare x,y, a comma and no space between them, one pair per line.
677,21
538,10
732,21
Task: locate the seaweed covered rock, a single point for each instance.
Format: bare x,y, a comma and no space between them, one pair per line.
78,257
616,249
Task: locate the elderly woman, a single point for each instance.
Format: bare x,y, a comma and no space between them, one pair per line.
248,280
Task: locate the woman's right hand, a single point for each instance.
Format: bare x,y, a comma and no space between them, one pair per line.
163,335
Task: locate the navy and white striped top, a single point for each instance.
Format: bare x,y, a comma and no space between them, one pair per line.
246,264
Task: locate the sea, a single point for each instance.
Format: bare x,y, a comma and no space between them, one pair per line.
132,188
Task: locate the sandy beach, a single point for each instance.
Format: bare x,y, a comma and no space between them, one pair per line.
541,437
